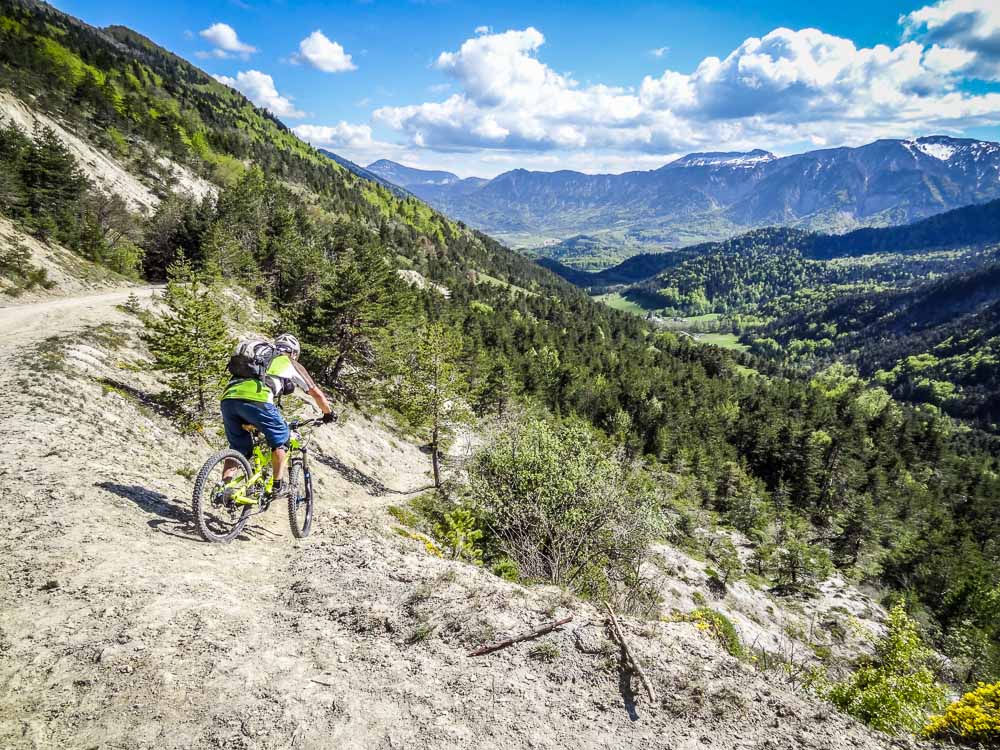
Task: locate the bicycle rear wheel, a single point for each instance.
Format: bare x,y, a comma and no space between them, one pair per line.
300,499
218,518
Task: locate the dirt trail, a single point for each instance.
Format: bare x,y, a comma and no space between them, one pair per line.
120,629
21,325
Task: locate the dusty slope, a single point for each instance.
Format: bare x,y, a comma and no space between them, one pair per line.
67,272
119,629
102,169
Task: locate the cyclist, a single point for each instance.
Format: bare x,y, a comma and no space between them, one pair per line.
249,401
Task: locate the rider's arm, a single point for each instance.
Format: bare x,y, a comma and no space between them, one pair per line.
320,398
304,380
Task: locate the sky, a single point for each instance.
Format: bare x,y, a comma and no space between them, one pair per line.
479,89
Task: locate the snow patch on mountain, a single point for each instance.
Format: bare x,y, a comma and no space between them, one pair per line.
941,151
725,159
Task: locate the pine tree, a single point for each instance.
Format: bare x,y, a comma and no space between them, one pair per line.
427,384
225,257
11,191
359,299
497,388
859,527
53,182
799,562
189,343
178,225
13,145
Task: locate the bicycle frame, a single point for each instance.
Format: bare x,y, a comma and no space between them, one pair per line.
260,460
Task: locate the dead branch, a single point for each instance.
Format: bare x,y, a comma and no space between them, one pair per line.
619,636
483,650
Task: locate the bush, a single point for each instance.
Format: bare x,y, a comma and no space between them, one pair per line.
506,569
973,719
544,651
894,690
564,505
459,533
16,266
719,627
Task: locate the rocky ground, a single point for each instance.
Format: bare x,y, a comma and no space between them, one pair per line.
66,273
119,628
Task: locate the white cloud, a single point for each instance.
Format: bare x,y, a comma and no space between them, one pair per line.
510,99
324,54
789,86
968,27
659,51
946,60
341,135
260,89
480,30
225,41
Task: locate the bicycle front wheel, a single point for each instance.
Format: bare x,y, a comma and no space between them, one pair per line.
218,517
300,500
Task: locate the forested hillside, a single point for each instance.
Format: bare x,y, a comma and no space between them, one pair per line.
937,343
908,305
815,471
966,226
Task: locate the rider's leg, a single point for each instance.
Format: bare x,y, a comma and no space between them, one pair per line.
229,469
275,429
279,463
239,439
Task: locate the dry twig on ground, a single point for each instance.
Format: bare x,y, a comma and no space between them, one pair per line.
633,662
489,649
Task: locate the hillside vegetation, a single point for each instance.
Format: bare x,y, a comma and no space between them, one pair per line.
910,306
814,474
967,226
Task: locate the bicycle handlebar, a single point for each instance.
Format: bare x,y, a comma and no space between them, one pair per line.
305,423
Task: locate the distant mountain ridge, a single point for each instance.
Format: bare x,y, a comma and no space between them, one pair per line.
407,176
365,174
715,195
969,225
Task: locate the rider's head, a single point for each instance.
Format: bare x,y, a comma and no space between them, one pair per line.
286,343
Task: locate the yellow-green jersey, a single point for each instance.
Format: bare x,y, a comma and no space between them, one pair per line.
282,369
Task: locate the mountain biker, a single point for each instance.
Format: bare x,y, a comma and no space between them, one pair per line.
250,401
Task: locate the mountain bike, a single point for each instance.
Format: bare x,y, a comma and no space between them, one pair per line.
221,508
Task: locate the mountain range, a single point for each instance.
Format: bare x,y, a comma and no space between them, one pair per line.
363,173
711,196
975,225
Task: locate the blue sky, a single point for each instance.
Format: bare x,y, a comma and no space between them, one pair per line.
597,86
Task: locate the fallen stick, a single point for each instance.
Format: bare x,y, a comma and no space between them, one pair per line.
483,650
620,637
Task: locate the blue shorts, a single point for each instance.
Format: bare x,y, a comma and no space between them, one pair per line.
262,415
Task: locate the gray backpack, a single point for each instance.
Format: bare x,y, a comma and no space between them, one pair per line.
251,359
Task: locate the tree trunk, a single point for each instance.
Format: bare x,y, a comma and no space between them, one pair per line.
435,460
338,366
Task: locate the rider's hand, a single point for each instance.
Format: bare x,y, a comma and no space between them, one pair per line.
329,417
